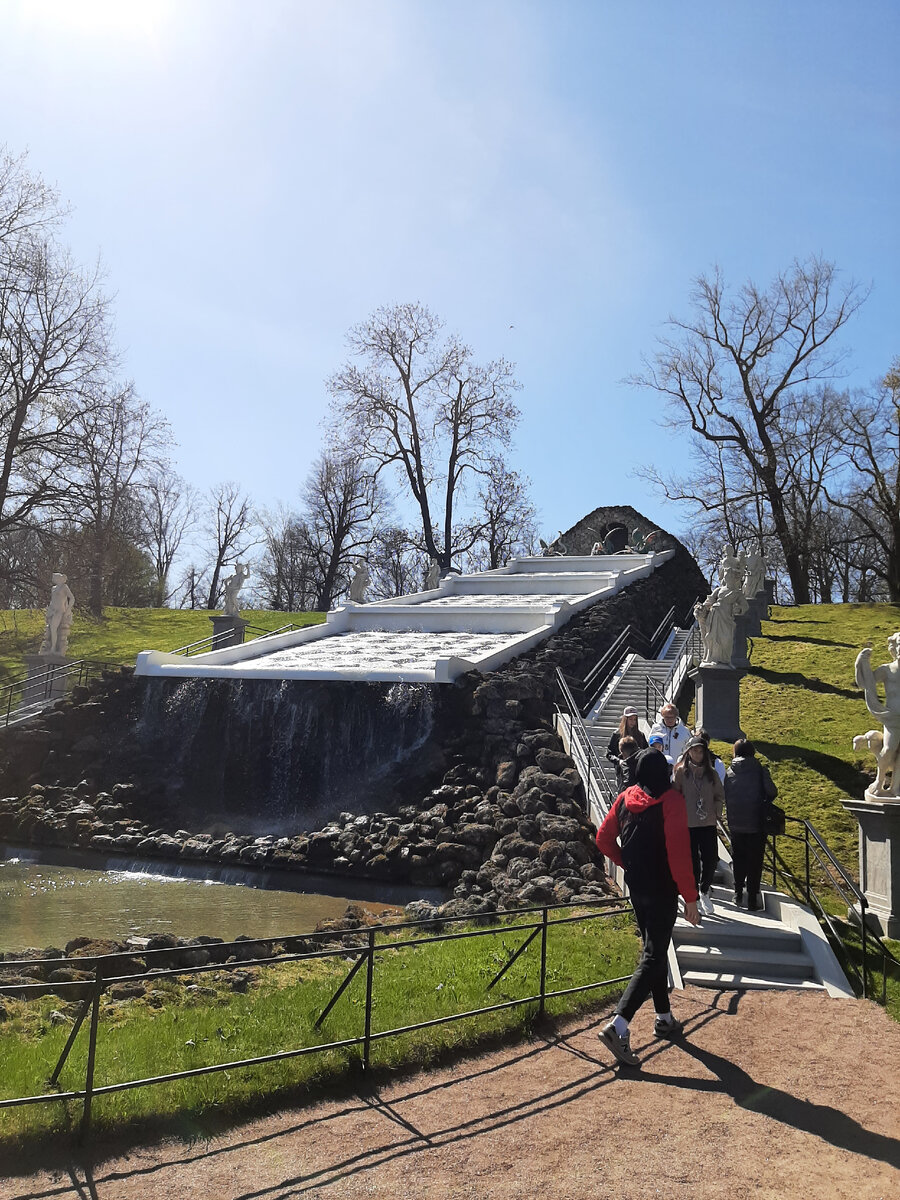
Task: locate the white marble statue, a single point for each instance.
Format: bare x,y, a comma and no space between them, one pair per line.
716,617
59,617
232,586
885,746
754,573
433,578
359,583
731,569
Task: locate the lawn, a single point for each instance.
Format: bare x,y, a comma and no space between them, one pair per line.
801,707
123,632
198,1019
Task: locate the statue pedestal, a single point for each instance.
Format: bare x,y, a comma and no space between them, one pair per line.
44,682
228,631
879,859
758,612
719,701
742,631
769,590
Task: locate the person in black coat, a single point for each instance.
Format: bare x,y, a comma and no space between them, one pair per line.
748,789
628,727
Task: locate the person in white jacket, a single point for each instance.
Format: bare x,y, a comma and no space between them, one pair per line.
673,731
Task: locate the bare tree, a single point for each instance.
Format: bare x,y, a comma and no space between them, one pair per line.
418,402
54,349
169,506
115,439
229,526
287,570
735,373
342,502
506,518
396,565
870,439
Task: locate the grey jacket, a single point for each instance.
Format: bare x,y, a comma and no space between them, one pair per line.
748,787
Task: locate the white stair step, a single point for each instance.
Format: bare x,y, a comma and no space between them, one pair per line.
783,964
730,980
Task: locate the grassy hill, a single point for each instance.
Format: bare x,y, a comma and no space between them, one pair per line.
122,633
801,706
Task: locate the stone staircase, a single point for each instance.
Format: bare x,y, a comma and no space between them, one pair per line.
782,945
739,949
629,686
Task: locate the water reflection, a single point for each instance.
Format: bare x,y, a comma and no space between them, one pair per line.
44,905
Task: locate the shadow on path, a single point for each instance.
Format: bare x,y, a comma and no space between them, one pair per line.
821,1120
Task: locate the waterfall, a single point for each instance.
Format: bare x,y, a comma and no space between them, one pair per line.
283,754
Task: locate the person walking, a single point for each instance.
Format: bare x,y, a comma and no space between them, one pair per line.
646,833
673,731
716,761
626,763
748,788
628,727
704,795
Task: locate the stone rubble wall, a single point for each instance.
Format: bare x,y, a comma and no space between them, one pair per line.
490,807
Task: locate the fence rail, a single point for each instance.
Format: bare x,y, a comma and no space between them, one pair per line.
535,922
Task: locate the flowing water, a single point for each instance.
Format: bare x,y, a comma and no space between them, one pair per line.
48,903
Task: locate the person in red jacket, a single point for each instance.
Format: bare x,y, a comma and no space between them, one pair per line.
646,833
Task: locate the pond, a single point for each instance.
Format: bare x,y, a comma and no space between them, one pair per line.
47,898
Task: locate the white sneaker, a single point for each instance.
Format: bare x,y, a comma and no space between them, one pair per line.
705,905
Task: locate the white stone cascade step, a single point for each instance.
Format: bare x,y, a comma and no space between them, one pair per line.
471,622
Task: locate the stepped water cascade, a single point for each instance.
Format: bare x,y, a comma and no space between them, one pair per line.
283,754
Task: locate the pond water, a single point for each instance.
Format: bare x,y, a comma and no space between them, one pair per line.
47,903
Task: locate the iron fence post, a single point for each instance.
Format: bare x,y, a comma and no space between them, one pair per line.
370,972
543,961
806,851
865,948
774,863
92,1056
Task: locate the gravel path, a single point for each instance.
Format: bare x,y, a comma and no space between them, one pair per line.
771,1094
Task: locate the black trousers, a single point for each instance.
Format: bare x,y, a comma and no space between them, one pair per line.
747,850
705,853
656,920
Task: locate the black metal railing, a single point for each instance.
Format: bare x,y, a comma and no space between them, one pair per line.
568,708
822,873
631,640
365,957
218,641
33,692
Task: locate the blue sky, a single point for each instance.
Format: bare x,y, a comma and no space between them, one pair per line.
258,178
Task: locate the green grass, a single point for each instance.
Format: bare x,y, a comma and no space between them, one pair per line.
192,1028
801,707
122,633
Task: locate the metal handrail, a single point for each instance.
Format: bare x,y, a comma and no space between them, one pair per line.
105,975
837,875
578,729
38,687
202,645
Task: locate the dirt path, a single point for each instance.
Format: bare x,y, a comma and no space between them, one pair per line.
770,1094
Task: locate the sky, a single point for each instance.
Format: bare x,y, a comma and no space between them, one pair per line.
548,177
